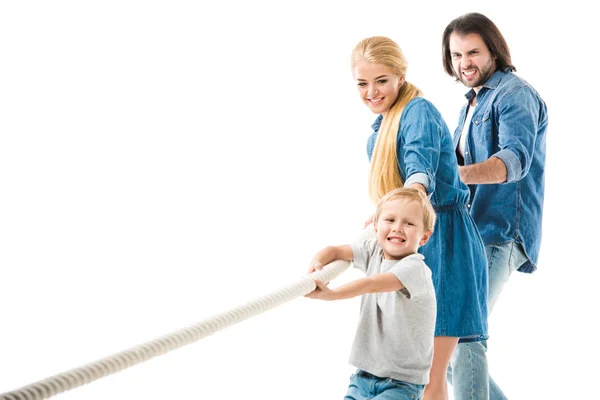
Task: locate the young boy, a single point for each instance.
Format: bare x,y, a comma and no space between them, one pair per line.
393,346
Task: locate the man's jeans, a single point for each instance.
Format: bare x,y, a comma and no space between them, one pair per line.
468,371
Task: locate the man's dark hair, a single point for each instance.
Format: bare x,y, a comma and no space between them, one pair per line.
489,32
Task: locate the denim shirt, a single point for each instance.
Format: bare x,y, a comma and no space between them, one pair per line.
425,154
509,122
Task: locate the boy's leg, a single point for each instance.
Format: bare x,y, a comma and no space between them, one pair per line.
376,388
357,390
390,389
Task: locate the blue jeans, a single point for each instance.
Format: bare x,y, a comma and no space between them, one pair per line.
365,386
468,371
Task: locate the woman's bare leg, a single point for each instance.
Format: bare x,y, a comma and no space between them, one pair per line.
437,388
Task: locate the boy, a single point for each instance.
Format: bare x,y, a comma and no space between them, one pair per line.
393,346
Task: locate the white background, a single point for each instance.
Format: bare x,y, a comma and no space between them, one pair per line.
161,162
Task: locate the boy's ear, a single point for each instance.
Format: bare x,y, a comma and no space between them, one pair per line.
426,237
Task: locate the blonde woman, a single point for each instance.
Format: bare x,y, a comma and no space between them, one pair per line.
411,146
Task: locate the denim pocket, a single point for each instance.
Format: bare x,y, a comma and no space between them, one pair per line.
482,127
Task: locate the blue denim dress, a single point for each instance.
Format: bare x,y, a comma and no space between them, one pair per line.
455,252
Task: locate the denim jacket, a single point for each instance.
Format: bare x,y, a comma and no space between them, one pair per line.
509,122
425,154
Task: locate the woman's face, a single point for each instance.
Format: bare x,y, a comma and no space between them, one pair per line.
377,84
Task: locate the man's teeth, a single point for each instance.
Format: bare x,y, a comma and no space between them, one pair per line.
469,73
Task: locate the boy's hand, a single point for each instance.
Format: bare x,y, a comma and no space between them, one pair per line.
315,265
321,292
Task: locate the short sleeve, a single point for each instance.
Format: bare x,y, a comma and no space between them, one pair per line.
364,252
414,275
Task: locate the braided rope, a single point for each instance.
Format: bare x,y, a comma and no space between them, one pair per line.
117,362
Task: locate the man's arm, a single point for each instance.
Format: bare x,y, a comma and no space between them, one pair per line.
384,282
518,125
492,170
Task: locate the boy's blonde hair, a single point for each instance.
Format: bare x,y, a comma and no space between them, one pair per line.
384,175
410,195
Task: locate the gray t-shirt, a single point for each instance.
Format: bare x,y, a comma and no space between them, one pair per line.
394,338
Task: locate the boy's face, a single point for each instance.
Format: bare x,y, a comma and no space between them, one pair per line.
400,229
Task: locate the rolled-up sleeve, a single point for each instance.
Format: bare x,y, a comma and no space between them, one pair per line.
419,177
419,145
518,125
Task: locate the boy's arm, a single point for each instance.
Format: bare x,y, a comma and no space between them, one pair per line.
329,254
384,282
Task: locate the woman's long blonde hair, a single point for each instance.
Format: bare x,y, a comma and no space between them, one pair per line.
385,173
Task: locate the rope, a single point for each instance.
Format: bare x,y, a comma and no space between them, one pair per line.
117,362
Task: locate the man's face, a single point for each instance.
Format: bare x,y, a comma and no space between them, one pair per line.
471,59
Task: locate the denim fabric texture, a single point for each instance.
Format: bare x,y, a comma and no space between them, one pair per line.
364,386
455,252
509,122
468,371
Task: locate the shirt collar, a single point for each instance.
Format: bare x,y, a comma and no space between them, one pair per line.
491,83
377,122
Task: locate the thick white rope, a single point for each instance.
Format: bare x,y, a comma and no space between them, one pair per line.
117,362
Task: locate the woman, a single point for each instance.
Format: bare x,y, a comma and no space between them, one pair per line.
411,146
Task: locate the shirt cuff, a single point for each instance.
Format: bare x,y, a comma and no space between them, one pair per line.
418,177
513,165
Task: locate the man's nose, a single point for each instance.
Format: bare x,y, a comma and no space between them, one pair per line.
466,62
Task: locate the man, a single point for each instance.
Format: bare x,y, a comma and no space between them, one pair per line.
500,143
